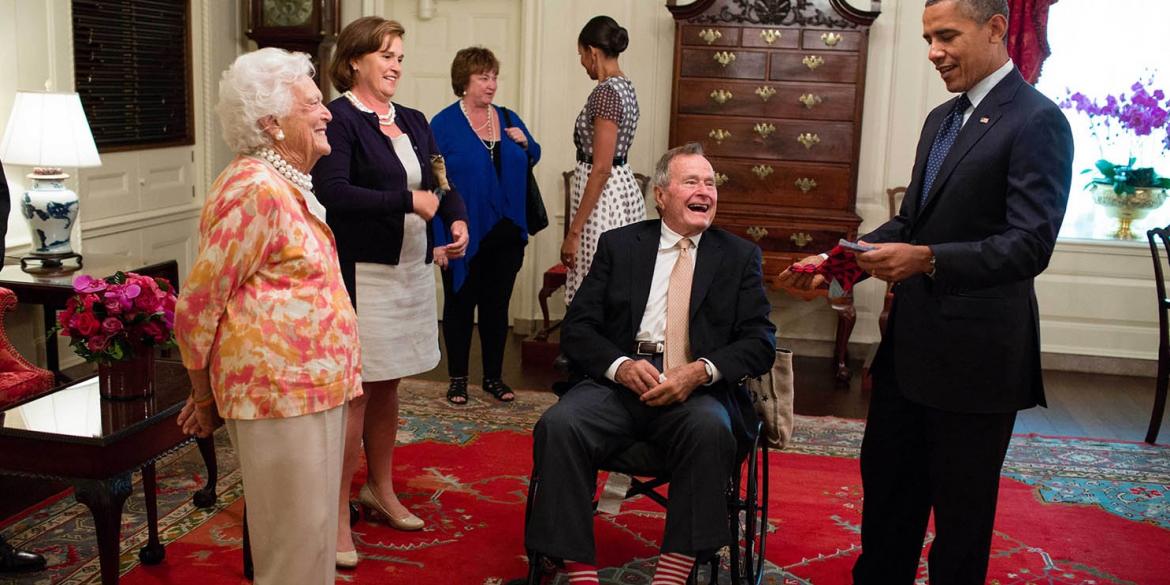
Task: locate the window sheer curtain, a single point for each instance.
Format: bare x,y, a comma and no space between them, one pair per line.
1028,36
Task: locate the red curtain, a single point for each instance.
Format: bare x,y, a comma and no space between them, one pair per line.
1028,36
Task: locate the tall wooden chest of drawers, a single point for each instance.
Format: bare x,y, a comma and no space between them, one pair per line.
773,89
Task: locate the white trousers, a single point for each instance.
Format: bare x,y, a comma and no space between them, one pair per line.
292,478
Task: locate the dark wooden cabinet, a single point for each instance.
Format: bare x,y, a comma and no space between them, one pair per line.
773,89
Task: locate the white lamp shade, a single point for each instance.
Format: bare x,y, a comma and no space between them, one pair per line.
48,130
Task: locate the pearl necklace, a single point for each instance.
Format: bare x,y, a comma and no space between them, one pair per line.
295,176
386,119
489,143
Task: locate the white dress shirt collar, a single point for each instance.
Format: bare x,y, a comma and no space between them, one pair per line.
981,89
670,238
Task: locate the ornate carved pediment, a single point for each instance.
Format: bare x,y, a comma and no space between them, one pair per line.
816,13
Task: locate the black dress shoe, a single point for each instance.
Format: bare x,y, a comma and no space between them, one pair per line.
14,560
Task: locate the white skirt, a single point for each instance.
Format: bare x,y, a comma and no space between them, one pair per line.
398,323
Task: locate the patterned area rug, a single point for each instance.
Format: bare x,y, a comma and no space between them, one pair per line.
1072,511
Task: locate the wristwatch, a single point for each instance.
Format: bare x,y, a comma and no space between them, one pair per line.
932,265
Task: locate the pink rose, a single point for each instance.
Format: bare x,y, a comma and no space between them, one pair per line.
97,343
111,325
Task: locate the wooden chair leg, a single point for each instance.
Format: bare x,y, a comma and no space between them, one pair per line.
1159,396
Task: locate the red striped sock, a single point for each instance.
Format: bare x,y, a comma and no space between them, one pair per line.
581,574
673,569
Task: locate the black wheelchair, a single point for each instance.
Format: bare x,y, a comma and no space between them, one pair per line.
747,509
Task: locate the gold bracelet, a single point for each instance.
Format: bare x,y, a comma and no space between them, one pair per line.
205,401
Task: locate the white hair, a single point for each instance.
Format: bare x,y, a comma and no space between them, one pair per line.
257,84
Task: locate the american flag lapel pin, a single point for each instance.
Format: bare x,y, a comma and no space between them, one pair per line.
984,120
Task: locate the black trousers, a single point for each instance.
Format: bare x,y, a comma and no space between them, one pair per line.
914,460
592,422
489,283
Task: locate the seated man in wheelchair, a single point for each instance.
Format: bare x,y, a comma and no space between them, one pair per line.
669,323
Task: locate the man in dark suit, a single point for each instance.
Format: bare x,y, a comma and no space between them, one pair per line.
666,336
12,560
961,351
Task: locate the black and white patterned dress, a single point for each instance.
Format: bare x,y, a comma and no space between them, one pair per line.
621,202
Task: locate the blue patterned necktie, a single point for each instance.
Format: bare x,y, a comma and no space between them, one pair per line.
942,144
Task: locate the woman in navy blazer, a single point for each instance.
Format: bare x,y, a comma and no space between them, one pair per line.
380,192
488,151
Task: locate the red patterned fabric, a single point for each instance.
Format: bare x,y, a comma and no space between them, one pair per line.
1028,36
19,379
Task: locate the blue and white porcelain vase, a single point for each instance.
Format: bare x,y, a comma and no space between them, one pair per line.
51,211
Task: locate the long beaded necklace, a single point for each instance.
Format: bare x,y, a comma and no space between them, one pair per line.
386,119
295,176
489,144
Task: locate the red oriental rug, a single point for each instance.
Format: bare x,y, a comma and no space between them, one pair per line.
1072,511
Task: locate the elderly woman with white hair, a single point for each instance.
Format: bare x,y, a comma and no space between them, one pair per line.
264,323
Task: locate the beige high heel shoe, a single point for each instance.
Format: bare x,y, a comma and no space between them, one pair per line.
369,499
347,559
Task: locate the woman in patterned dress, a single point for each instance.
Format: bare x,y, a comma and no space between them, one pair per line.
604,194
264,324
380,188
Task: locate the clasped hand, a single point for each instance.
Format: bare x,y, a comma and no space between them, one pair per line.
644,379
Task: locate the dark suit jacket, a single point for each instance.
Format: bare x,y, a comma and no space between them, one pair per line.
729,311
968,340
5,208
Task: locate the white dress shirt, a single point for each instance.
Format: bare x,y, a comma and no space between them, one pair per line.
653,326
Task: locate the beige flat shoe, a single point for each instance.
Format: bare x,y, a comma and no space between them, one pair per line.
408,523
347,559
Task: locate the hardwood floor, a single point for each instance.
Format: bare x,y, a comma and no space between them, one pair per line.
1079,405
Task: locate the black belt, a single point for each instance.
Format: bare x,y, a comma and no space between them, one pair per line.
648,347
617,160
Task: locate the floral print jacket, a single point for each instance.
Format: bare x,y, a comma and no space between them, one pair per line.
264,306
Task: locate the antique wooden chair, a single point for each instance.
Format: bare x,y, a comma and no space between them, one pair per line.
1160,237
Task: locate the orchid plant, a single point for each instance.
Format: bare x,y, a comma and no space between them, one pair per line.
113,319
1135,122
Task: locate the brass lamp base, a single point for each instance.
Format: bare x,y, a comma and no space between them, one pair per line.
50,263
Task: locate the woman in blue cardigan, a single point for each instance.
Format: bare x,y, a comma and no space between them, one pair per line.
488,151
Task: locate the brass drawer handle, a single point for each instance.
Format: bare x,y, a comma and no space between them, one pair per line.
724,58
719,135
765,92
720,96
762,171
720,179
813,61
830,39
757,233
710,35
806,184
810,100
770,35
801,239
808,139
764,129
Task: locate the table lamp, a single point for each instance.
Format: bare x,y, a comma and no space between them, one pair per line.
49,131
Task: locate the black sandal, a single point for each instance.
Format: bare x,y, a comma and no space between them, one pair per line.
498,389
457,391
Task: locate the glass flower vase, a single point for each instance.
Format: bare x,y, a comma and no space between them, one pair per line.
127,379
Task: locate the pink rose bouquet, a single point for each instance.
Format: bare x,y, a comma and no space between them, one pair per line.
113,319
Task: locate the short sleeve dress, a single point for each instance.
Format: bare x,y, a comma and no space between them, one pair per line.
622,201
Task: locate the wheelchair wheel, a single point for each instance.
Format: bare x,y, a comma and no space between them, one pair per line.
750,527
